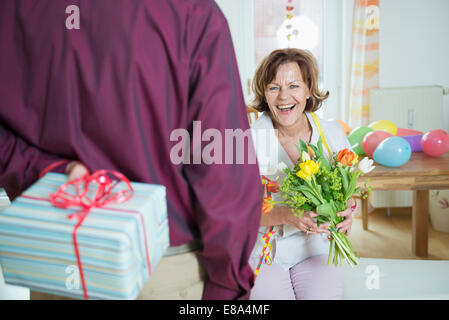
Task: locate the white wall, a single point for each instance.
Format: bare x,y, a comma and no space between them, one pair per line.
332,55
414,45
345,59
240,16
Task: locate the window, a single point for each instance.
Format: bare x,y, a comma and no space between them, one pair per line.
271,27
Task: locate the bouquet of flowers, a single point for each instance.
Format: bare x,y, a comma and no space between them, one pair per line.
324,185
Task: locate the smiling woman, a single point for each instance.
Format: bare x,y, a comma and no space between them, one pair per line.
286,85
286,92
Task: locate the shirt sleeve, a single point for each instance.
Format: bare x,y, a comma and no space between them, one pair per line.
227,198
21,163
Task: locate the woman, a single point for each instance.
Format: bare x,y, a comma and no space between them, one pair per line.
286,91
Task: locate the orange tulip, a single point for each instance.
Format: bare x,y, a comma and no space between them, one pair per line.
347,157
267,206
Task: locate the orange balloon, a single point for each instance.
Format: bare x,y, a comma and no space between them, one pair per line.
346,129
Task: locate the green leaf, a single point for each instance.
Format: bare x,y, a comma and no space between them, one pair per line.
307,207
321,219
325,209
325,163
303,145
351,188
309,194
340,206
333,212
344,178
325,186
320,147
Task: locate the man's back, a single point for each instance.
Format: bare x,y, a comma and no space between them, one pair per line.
111,92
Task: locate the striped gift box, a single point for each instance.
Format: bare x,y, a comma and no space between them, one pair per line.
37,250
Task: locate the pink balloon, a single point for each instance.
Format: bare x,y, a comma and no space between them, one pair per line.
435,143
372,140
407,132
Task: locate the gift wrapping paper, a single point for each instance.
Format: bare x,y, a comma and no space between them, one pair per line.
37,249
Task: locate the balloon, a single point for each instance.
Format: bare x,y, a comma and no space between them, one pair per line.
344,126
356,136
407,132
372,140
358,149
435,142
384,125
393,152
415,142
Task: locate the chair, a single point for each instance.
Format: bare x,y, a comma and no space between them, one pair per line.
251,111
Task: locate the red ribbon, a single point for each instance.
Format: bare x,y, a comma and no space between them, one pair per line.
52,166
268,188
103,196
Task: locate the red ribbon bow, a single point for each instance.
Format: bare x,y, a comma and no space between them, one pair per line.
103,196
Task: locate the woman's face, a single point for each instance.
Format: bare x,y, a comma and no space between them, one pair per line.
287,95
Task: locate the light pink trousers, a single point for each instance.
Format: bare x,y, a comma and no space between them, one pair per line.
310,279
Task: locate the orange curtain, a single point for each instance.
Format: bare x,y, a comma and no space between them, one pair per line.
365,60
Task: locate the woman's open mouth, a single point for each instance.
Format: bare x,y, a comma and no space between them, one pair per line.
286,109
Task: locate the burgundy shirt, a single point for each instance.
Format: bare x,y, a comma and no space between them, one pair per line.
111,92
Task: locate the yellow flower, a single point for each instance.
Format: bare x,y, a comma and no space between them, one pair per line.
303,176
308,169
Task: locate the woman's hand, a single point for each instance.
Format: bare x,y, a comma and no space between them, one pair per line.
307,223
346,224
75,170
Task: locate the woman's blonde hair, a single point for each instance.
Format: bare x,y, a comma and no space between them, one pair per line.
267,69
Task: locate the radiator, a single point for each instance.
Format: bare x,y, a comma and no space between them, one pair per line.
419,108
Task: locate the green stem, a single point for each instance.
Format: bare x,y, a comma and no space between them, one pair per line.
342,248
316,193
331,250
352,252
320,197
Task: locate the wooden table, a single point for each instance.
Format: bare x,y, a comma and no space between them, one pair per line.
420,174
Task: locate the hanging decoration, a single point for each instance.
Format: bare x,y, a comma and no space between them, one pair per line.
289,16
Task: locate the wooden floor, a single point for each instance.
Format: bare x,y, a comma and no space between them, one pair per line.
389,237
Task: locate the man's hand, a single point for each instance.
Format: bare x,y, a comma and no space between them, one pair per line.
76,170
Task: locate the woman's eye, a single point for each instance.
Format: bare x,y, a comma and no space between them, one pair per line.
273,88
294,86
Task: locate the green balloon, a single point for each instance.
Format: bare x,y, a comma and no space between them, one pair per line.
357,135
357,148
